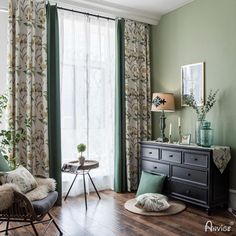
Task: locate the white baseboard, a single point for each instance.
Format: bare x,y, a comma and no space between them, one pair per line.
232,198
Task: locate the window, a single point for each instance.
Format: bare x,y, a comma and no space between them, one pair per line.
87,62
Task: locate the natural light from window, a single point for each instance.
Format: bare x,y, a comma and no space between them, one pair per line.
87,63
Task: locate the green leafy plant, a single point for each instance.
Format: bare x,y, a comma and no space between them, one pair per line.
201,110
3,105
9,138
81,148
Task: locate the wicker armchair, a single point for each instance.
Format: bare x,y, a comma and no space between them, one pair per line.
29,213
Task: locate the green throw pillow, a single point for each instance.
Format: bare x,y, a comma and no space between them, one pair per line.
3,164
150,183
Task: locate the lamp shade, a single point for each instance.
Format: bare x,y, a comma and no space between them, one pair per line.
163,102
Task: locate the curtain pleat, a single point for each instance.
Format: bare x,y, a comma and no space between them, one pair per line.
27,85
120,176
54,123
133,106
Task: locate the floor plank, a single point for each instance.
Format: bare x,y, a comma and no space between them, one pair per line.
108,217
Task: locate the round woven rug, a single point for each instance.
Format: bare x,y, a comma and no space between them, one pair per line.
175,208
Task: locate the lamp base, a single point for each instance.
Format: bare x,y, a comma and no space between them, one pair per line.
162,140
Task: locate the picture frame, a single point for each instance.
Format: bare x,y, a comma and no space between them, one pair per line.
193,81
186,139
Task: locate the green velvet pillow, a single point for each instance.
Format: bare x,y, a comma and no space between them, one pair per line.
150,183
3,164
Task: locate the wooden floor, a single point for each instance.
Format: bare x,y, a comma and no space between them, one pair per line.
108,217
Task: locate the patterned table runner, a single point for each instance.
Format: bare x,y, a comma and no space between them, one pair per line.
221,157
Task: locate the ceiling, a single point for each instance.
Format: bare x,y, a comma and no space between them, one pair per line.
149,11
155,7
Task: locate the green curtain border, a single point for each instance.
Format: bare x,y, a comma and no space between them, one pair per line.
54,122
120,175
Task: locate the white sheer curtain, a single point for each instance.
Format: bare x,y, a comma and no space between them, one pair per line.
87,60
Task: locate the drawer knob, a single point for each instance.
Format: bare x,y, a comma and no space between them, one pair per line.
195,159
155,167
150,152
189,174
171,155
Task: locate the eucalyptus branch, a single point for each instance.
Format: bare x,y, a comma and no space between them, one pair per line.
201,110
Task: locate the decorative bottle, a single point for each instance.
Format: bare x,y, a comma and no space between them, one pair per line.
198,127
206,134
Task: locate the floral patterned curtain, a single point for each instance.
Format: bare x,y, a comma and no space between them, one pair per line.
137,95
27,81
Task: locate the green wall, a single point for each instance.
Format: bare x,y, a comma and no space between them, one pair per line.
204,30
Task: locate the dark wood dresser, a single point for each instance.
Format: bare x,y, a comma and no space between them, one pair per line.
192,176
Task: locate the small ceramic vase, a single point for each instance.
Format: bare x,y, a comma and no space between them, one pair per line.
81,160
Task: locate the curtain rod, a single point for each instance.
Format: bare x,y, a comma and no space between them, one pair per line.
66,9
85,13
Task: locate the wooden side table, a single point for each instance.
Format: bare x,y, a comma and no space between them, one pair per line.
74,167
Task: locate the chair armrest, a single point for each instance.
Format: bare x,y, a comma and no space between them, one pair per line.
22,206
22,198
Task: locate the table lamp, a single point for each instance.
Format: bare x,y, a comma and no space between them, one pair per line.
163,102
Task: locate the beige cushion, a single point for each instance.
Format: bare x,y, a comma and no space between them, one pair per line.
21,177
152,202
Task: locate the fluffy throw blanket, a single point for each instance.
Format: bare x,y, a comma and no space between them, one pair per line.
6,195
41,191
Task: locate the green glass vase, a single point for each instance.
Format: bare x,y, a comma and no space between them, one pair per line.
206,134
198,127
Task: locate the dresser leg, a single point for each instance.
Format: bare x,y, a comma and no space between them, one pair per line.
225,206
209,211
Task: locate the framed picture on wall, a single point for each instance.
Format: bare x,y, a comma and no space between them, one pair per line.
192,81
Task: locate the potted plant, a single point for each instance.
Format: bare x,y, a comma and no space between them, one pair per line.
81,148
201,110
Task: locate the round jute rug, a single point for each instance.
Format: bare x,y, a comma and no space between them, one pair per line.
175,208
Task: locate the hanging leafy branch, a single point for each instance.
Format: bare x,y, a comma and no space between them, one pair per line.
9,138
3,105
201,110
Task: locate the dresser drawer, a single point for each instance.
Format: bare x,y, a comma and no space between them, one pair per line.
150,166
172,156
188,192
196,176
150,152
195,159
